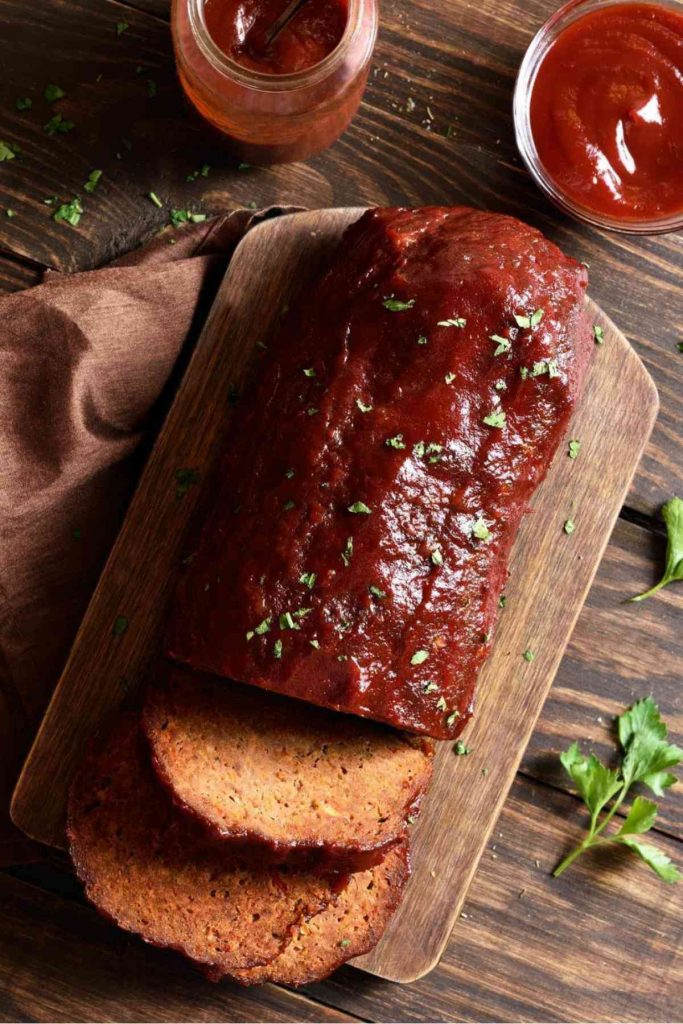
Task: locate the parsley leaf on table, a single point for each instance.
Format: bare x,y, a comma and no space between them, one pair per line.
647,756
672,514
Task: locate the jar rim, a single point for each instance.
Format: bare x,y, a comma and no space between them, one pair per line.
259,80
521,105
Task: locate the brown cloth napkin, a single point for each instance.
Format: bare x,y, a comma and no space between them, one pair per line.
88,364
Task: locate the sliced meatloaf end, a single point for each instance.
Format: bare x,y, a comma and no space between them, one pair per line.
353,926
154,872
304,783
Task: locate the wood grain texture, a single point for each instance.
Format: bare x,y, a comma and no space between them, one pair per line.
551,573
602,943
618,653
456,62
63,962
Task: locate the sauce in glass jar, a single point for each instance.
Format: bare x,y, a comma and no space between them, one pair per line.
599,112
276,96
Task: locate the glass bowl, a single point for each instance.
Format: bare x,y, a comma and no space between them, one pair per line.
526,77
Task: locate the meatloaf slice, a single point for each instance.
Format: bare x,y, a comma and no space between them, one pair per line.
302,782
401,418
354,925
154,873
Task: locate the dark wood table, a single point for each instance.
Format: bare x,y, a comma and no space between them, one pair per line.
603,942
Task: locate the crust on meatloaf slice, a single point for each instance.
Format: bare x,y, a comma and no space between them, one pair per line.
156,873
306,784
354,925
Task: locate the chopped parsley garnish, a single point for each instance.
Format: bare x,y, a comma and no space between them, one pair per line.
308,579
376,592
647,758
10,213
419,657
574,449
436,557
277,649
480,530
342,657
451,719
24,103
456,321
529,321
121,27
155,199
441,703
679,346
93,181
502,601
359,508
312,410
431,450
120,625
58,124
430,687
53,93
288,505
569,526
422,340
598,334
396,305
261,629
396,442
449,378
495,419
502,344
7,151
347,552
672,513
500,385
460,749
287,622
69,212
548,366
289,474
301,613
315,644
528,655
309,372
243,166
185,478
179,217
203,172
344,943
362,406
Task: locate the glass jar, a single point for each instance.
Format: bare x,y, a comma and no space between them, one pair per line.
274,118
539,47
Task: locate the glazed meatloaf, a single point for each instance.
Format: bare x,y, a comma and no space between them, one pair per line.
359,531
348,928
301,782
156,874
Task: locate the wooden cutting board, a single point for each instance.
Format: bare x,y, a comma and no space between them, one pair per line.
551,572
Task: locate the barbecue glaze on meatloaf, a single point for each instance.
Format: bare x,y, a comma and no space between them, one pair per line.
298,781
359,532
154,873
349,928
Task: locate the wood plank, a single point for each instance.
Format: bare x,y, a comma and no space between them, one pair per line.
551,574
602,943
618,653
16,275
458,71
63,962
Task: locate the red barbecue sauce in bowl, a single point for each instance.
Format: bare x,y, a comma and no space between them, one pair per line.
275,97
604,112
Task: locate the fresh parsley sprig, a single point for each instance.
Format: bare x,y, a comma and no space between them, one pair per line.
647,758
672,514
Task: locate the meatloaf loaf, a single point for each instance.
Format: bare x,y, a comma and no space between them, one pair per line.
156,874
300,782
358,535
